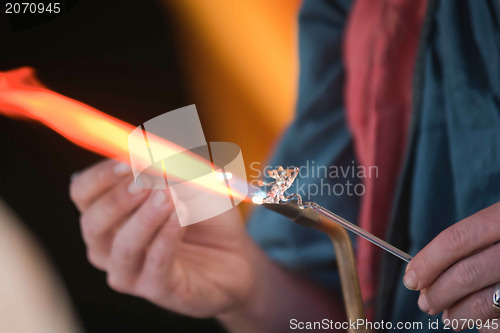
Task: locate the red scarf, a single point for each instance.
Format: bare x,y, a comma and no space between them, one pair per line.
380,51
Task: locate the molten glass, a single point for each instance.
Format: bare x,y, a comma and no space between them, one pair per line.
284,178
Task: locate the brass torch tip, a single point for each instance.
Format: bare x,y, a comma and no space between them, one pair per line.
305,216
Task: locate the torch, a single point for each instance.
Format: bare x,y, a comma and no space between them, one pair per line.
312,215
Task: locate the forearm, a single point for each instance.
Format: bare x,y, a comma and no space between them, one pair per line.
279,296
29,286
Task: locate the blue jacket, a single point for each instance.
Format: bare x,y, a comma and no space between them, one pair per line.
452,164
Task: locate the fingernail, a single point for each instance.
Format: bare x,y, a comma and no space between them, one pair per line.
159,199
423,304
122,169
444,316
410,280
133,188
407,268
174,195
144,182
74,175
182,213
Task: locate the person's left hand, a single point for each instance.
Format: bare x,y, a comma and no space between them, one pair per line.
457,271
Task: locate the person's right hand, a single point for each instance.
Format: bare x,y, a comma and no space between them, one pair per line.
134,235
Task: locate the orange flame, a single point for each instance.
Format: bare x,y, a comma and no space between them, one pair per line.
23,96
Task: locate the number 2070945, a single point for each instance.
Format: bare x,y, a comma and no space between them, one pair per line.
32,8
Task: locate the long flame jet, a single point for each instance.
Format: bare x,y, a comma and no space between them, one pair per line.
23,96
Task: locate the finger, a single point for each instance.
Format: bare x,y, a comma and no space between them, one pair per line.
477,306
461,279
131,242
107,213
451,245
89,184
156,274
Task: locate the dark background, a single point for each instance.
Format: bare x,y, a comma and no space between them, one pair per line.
119,57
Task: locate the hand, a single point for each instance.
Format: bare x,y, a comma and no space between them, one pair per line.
134,235
457,270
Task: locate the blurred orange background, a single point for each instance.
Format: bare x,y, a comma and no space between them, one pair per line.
240,66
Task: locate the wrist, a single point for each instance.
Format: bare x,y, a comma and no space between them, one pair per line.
245,316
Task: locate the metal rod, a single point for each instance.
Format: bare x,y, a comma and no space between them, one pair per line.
284,179
360,232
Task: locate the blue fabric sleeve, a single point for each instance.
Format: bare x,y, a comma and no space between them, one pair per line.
318,141
455,166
